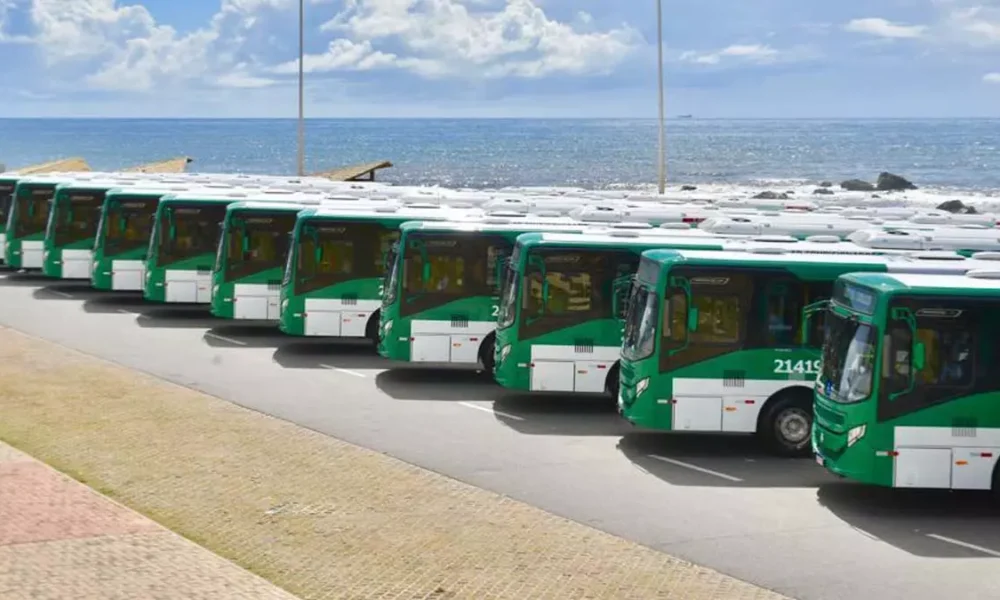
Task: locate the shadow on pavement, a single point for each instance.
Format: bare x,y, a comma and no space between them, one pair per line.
170,316
65,291
322,353
431,383
254,334
927,523
28,279
116,302
560,414
714,460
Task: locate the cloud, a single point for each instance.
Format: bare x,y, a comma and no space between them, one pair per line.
991,78
444,38
752,53
882,28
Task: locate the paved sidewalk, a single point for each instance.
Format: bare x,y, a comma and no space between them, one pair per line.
60,540
318,516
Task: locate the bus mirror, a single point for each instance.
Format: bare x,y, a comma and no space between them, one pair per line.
808,311
692,323
919,356
620,294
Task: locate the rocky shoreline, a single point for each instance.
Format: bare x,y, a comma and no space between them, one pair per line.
886,184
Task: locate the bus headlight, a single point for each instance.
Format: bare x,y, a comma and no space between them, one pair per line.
641,386
504,352
387,327
284,304
855,434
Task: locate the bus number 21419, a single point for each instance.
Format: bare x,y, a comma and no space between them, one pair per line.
788,366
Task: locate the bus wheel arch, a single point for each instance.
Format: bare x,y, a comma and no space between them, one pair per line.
995,483
487,349
785,421
613,380
371,328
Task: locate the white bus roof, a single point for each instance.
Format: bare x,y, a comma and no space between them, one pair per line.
940,238
375,211
895,263
981,280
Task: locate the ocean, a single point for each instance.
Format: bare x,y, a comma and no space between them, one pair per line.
950,157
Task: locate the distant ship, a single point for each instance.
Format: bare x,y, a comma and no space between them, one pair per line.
685,116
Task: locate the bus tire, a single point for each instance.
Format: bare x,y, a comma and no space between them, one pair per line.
371,329
613,381
486,354
785,424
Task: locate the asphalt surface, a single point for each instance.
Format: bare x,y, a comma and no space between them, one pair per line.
714,500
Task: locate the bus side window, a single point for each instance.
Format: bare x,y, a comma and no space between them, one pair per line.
783,310
896,347
675,318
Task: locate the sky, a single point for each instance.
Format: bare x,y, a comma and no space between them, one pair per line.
500,58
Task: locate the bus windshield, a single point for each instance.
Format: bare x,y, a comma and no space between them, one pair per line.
392,278
848,363
509,290
332,252
188,231
128,223
256,243
6,195
444,267
76,217
640,324
33,210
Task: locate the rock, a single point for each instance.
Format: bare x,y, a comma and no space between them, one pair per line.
857,185
890,182
688,188
769,195
790,192
957,207
826,184
824,191
876,196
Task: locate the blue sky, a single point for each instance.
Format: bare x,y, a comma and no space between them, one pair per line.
430,58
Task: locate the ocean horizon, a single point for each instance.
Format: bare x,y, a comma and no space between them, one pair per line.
958,156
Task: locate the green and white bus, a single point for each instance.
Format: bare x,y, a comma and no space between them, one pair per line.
332,284
74,218
908,393
252,254
441,296
126,223
185,241
715,341
564,294
7,185
28,216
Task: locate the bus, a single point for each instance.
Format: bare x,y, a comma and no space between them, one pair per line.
74,218
563,299
441,294
123,231
729,342
185,240
332,283
252,255
7,185
966,240
908,394
28,216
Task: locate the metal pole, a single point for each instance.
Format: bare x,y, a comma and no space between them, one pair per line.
302,124
659,52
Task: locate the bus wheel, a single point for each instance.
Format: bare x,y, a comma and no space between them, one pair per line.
486,351
786,425
371,329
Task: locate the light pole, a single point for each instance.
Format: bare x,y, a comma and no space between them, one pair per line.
302,125
659,54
